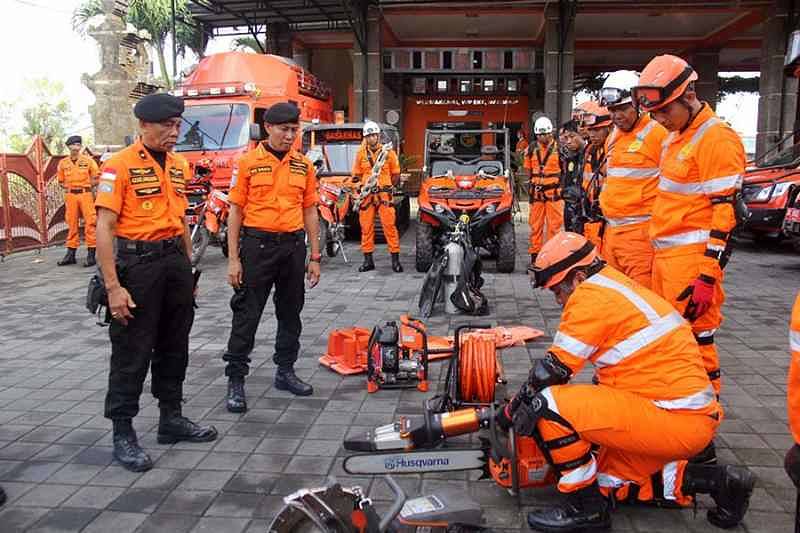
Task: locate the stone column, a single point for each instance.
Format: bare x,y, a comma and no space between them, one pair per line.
777,103
279,39
370,80
558,100
706,64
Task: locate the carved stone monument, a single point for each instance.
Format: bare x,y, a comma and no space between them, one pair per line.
123,78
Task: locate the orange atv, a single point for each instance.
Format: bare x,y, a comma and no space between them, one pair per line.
459,183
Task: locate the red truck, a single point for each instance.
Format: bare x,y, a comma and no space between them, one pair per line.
226,96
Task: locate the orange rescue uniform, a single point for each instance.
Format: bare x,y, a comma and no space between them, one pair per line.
380,201
628,196
700,170
150,201
654,406
545,194
594,159
77,178
793,389
272,193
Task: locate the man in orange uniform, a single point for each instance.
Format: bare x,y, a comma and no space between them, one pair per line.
141,202
274,206
652,409
597,121
701,168
546,205
380,199
634,151
77,174
792,459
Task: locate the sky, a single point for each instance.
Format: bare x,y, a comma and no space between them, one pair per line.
37,40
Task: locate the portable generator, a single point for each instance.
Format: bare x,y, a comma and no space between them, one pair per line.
397,356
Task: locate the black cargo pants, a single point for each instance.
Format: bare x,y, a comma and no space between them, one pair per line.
268,259
161,285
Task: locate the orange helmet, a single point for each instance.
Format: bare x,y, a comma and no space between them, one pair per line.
559,255
595,116
663,80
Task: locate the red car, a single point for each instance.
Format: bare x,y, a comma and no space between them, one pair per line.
767,189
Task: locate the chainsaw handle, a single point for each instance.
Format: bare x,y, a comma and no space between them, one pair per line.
397,506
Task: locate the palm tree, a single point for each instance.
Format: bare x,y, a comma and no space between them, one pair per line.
250,43
155,16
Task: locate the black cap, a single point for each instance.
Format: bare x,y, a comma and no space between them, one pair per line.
157,107
74,139
282,113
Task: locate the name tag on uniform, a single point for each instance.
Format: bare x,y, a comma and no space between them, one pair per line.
142,175
147,191
635,146
257,170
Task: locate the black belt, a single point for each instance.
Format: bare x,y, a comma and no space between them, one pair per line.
128,246
78,191
272,236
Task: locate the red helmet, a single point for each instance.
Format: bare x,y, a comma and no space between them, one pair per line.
560,255
663,80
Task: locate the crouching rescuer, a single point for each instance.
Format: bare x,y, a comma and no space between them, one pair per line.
628,437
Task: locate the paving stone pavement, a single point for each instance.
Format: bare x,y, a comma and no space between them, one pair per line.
55,454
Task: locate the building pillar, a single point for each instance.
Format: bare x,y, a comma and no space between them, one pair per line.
706,64
368,72
279,39
558,89
777,103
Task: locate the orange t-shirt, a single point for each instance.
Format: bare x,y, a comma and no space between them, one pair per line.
81,173
793,389
150,201
272,193
362,167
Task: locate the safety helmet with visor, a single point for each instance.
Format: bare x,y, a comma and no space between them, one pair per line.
617,87
559,256
542,126
370,128
663,80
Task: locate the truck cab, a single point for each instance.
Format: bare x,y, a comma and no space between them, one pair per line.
226,97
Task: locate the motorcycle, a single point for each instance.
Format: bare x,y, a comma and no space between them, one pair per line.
207,214
335,200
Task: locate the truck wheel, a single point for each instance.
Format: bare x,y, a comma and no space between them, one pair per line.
424,253
506,247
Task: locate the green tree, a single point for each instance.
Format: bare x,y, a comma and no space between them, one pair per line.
45,112
155,16
249,43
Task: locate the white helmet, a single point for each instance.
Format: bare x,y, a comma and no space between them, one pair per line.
542,126
617,88
370,128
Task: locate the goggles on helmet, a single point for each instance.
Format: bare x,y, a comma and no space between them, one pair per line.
611,96
651,97
542,275
589,119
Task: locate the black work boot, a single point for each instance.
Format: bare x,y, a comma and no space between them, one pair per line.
585,509
236,401
396,266
729,485
174,427
286,379
69,258
126,447
368,264
706,457
90,258
533,259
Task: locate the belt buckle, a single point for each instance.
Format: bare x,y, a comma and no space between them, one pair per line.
538,188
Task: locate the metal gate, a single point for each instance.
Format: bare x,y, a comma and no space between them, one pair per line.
31,200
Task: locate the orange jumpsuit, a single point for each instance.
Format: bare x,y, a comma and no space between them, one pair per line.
700,171
654,406
77,178
628,195
545,194
380,201
594,158
793,389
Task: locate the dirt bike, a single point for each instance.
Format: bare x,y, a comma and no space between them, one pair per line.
207,216
335,197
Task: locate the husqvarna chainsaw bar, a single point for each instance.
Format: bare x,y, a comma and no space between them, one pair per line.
416,462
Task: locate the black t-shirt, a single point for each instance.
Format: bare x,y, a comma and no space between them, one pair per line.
160,157
273,151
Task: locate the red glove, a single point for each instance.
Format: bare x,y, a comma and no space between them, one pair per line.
700,293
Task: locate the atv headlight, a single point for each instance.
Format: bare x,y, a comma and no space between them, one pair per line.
491,208
438,208
764,194
780,189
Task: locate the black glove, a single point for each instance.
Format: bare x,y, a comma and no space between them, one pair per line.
791,463
527,415
504,417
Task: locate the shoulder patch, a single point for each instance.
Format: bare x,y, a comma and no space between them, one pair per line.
105,187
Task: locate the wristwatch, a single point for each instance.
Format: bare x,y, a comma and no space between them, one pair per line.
316,258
